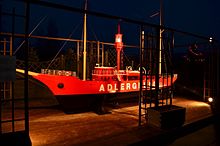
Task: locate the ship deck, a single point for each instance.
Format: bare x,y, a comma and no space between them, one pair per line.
51,126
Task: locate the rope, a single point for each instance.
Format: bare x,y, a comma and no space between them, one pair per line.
30,34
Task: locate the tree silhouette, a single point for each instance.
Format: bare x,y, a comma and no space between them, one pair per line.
70,61
33,57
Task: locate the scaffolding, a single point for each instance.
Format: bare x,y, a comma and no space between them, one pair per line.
211,76
149,60
14,124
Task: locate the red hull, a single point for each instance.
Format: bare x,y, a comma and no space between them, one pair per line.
71,85
73,93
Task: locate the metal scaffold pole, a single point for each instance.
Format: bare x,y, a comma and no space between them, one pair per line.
172,68
27,14
141,73
12,82
157,69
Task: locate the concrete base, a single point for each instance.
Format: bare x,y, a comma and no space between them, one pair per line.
165,117
20,138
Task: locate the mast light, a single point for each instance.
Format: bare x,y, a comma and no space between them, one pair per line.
118,46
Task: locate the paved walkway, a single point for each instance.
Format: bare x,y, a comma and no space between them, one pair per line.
206,136
120,127
52,127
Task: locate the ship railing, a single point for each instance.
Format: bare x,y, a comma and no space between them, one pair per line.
36,66
103,75
58,72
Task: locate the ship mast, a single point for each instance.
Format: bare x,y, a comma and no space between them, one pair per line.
84,41
161,31
118,46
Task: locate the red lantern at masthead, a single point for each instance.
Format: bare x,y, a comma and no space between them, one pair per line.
118,41
118,46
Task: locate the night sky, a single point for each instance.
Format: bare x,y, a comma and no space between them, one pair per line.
199,17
